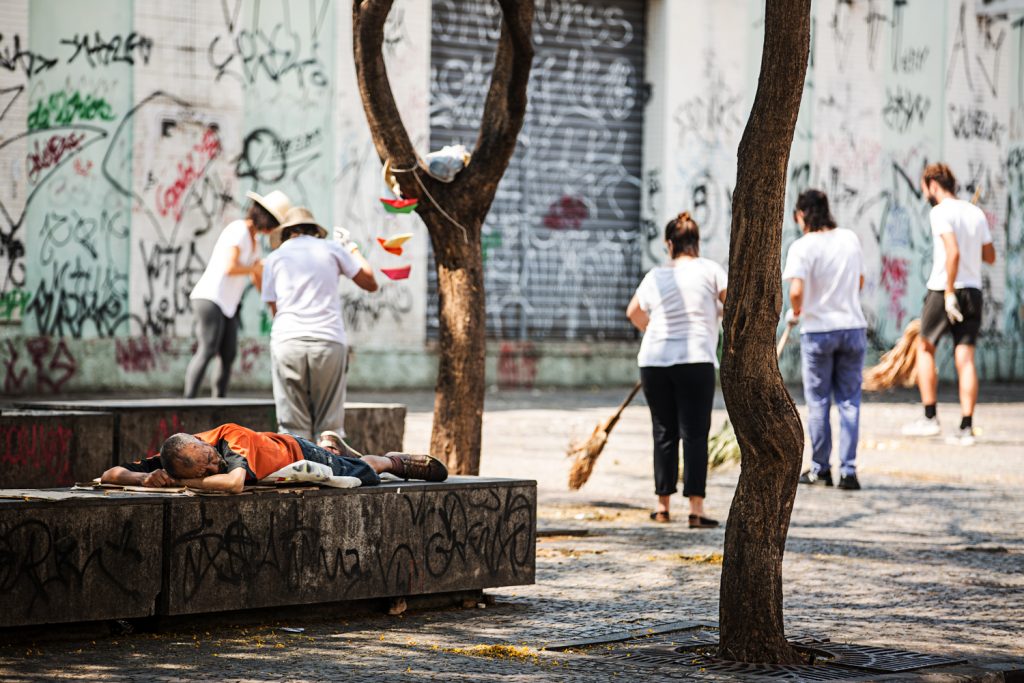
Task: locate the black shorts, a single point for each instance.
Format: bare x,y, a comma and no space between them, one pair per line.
935,323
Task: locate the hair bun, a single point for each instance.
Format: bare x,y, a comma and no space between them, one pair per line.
684,216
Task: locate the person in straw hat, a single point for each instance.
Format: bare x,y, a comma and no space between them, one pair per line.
308,346
217,296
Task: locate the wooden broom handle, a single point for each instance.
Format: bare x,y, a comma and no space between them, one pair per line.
782,341
618,413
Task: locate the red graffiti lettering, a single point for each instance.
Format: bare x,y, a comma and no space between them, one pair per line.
83,169
566,213
517,365
169,199
163,430
142,354
14,377
49,361
50,154
894,279
251,352
39,447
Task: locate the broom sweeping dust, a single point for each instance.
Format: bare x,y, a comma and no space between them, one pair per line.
898,366
722,447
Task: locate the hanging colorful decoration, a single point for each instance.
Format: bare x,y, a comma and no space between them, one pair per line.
393,245
399,205
397,273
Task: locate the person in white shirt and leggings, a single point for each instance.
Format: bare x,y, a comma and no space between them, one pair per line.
218,293
677,308
825,269
308,347
961,242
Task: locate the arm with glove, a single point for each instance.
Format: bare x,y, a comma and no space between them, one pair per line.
952,265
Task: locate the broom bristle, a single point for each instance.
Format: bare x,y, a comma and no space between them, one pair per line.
897,367
586,453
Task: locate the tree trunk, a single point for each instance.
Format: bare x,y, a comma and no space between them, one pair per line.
459,393
453,212
763,415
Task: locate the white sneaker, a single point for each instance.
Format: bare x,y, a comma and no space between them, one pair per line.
962,437
922,427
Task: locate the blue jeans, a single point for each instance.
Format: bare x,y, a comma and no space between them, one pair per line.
340,465
833,364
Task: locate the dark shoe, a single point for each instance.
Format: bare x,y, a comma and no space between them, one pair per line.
660,517
849,483
821,478
422,467
698,522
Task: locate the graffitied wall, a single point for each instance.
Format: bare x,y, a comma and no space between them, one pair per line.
891,87
129,134
561,250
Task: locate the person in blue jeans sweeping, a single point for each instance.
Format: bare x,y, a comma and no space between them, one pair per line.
825,270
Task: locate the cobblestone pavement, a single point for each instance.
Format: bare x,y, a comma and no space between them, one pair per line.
928,557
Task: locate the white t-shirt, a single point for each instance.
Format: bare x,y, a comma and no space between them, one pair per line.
682,302
301,277
215,284
970,227
830,263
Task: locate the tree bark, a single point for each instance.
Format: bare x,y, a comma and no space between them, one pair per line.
763,414
453,212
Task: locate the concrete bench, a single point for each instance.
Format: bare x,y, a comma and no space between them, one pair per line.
95,555
141,425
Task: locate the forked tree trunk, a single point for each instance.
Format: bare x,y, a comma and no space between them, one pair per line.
453,212
763,415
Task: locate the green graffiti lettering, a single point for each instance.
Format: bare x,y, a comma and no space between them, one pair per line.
63,108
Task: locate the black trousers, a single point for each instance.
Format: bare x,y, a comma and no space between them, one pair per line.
680,398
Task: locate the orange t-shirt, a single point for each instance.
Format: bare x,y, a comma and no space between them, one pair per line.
266,452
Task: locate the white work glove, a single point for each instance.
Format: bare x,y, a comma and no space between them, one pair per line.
953,309
343,238
791,318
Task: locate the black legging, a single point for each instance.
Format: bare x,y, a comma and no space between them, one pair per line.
218,336
680,398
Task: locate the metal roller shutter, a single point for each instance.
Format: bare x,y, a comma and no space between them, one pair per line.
561,243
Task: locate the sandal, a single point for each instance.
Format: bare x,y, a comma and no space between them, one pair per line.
699,522
660,517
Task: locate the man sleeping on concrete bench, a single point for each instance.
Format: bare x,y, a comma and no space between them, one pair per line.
228,457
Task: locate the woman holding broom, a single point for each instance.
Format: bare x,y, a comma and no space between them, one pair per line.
676,307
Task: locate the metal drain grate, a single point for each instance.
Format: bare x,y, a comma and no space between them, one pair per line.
882,659
669,658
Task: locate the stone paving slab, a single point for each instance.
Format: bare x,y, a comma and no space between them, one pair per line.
929,557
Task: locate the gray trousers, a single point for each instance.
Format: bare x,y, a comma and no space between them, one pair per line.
309,386
218,336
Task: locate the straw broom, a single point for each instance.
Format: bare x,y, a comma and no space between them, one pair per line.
587,451
898,366
722,447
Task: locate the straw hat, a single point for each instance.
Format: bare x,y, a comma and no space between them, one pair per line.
300,215
277,203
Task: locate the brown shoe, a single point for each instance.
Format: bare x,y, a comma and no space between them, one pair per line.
423,467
